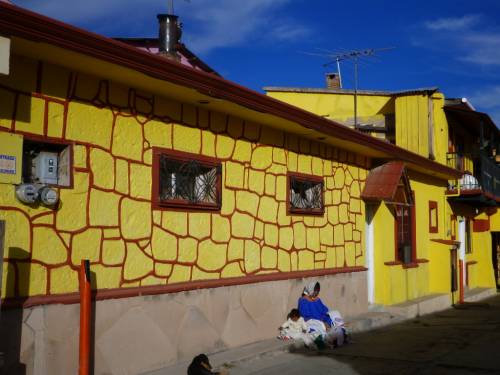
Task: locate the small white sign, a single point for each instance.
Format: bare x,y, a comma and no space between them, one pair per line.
7,164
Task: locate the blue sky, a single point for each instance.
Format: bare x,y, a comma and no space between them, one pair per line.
454,45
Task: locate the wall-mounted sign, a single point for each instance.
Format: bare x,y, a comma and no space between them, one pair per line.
7,164
11,158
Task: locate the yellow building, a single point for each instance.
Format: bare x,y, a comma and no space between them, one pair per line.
203,207
447,236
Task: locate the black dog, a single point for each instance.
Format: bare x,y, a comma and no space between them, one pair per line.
201,366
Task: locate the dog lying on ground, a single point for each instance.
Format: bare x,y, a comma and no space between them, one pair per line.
201,366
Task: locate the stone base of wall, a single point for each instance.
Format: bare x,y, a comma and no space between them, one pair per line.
139,334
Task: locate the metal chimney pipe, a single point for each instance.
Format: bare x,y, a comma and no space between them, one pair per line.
169,35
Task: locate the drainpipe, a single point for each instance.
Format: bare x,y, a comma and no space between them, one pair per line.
85,315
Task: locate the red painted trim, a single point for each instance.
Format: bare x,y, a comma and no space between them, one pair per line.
433,211
481,225
394,263
413,228
179,204
104,294
407,265
303,211
15,21
453,224
422,260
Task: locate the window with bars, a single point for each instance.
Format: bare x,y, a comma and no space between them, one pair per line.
186,180
305,194
404,229
433,217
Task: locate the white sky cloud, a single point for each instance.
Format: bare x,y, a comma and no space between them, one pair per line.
453,23
471,38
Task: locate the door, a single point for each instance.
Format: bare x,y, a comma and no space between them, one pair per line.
370,253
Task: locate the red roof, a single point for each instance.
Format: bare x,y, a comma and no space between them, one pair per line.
383,181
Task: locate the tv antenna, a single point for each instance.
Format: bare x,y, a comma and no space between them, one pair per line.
170,6
355,56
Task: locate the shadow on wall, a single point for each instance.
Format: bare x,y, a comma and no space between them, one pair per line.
11,321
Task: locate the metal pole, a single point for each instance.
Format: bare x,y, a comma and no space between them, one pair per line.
85,316
2,235
338,70
355,91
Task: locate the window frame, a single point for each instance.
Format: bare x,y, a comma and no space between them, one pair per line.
178,204
413,231
453,227
305,178
433,211
51,143
468,236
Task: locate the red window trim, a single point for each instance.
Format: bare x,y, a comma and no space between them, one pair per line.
55,141
181,205
413,235
433,205
304,211
453,225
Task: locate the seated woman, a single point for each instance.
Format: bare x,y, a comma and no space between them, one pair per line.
311,306
318,317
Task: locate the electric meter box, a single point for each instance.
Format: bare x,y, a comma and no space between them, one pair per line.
45,168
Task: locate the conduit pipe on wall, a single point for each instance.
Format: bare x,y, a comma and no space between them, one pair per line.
85,316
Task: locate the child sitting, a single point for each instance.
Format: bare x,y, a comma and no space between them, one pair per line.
295,328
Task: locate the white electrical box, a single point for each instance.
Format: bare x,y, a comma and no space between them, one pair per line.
45,168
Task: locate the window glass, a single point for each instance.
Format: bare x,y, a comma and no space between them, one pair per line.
306,194
188,182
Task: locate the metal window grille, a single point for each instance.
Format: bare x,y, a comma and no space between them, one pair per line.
306,194
191,182
403,214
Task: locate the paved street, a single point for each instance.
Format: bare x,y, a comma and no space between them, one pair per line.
465,340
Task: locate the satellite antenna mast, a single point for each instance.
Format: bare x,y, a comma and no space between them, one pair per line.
354,55
170,6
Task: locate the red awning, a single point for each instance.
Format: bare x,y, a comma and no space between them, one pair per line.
388,183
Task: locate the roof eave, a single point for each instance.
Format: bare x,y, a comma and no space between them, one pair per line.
15,21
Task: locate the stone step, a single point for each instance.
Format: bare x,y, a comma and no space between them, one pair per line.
478,294
420,306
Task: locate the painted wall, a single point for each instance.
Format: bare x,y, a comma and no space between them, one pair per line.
107,215
339,106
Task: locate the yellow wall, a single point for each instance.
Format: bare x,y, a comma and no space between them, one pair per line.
338,106
107,216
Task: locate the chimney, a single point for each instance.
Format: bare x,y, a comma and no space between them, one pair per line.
169,36
333,81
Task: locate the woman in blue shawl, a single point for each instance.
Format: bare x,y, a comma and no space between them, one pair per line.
311,306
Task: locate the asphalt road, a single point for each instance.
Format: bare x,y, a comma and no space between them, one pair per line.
462,340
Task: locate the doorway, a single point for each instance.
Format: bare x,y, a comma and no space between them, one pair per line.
495,253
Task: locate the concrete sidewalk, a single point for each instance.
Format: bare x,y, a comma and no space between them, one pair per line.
378,317
228,358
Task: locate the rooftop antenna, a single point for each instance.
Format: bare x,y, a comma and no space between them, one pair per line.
354,55
170,6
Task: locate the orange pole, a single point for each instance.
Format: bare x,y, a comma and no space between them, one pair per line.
461,272
85,311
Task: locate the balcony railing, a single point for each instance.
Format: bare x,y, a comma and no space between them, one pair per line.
490,176
485,177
